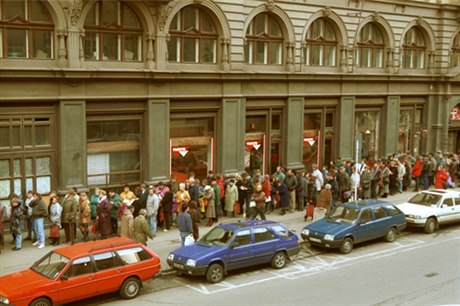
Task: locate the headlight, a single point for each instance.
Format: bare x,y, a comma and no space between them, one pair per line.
171,256
329,237
305,232
4,300
191,262
414,216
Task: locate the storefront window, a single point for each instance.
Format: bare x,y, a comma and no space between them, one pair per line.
311,139
192,147
254,155
113,150
405,130
367,130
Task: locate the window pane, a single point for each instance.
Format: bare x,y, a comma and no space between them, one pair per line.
206,24
129,18
378,58
275,30
4,168
366,57
329,32
131,50
30,184
4,188
378,39
330,55
260,52
420,59
259,24
189,17
16,43
42,135
316,55
43,184
42,166
316,29
16,137
41,44
28,164
189,49
275,53
16,167
208,51
91,18
110,47
39,12
110,12
173,46
15,8
175,22
4,136
90,44
28,135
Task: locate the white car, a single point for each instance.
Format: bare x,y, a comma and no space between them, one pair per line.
430,208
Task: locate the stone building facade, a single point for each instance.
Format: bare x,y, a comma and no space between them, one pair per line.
103,93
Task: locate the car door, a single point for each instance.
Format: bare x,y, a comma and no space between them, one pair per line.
364,228
446,210
240,253
456,216
110,272
265,245
382,222
78,281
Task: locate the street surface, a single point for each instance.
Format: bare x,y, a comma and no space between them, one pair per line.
417,269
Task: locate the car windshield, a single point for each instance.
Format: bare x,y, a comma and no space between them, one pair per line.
425,199
51,265
344,214
217,236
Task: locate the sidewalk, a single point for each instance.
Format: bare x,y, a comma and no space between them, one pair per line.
164,242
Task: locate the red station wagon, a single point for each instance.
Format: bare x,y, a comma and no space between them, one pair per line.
81,271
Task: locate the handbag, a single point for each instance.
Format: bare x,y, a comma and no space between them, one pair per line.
236,208
54,231
94,228
189,240
252,203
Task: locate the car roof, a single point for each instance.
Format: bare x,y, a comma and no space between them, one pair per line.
86,248
442,192
246,224
365,203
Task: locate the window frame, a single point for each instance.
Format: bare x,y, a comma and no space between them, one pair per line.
322,42
410,50
371,46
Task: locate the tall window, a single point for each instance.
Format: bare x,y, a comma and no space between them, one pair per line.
264,41
370,47
193,37
456,51
367,124
112,33
414,50
27,30
321,44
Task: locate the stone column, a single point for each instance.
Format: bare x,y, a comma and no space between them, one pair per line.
346,128
231,135
225,61
150,53
293,135
62,51
390,126
73,48
72,145
157,146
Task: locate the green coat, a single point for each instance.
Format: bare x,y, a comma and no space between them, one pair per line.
115,201
69,210
141,230
231,196
94,200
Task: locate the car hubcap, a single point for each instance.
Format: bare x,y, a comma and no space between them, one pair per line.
347,246
131,289
279,260
216,274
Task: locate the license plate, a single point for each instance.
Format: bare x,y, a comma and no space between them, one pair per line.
315,240
179,266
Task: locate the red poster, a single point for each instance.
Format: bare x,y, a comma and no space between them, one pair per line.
176,151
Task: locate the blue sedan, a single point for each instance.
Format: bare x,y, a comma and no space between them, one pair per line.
355,222
236,245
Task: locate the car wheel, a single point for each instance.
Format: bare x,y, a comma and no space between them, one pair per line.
430,226
215,273
391,235
279,260
347,246
41,302
130,288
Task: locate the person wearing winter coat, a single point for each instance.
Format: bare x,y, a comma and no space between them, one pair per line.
69,217
441,178
267,188
127,223
152,206
16,223
386,173
84,207
195,215
166,204
258,197
417,172
231,197
365,183
38,213
104,222
93,201
325,198
55,220
141,228
284,197
210,207
115,201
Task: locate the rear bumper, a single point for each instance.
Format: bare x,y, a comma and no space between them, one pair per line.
335,244
199,271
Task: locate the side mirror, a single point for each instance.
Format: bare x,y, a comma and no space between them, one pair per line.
64,277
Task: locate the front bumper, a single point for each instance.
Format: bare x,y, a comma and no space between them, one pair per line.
335,244
183,268
415,222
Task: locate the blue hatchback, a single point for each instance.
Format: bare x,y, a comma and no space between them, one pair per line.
355,222
231,246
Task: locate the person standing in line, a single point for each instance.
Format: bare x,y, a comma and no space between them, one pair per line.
55,220
16,223
417,172
39,212
182,197
365,183
376,175
441,178
318,182
184,223
141,228
291,183
355,180
127,198
259,197
84,208
127,223
401,165
284,197
231,197
31,234
69,217
209,196
103,219
167,204
93,201
153,204
195,215
115,202
325,198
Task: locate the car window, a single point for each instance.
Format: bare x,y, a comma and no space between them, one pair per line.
106,261
457,200
50,265
79,266
282,231
426,199
218,236
133,255
380,213
243,237
263,234
448,201
344,214
366,216
392,210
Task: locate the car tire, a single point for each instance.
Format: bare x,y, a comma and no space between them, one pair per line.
215,273
430,226
130,288
41,302
346,246
391,235
278,260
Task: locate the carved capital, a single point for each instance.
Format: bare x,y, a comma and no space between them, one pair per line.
75,11
376,16
419,20
270,5
327,11
165,10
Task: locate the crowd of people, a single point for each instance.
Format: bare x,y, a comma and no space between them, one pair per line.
140,213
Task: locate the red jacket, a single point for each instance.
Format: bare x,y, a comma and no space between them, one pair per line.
441,178
267,187
220,182
417,168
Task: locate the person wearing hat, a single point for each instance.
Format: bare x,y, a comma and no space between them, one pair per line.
325,198
209,197
141,229
182,197
231,197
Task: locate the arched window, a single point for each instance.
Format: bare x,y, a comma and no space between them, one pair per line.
321,44
112,32
193,37
27,30
456,51
413,50
264,41
370,47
